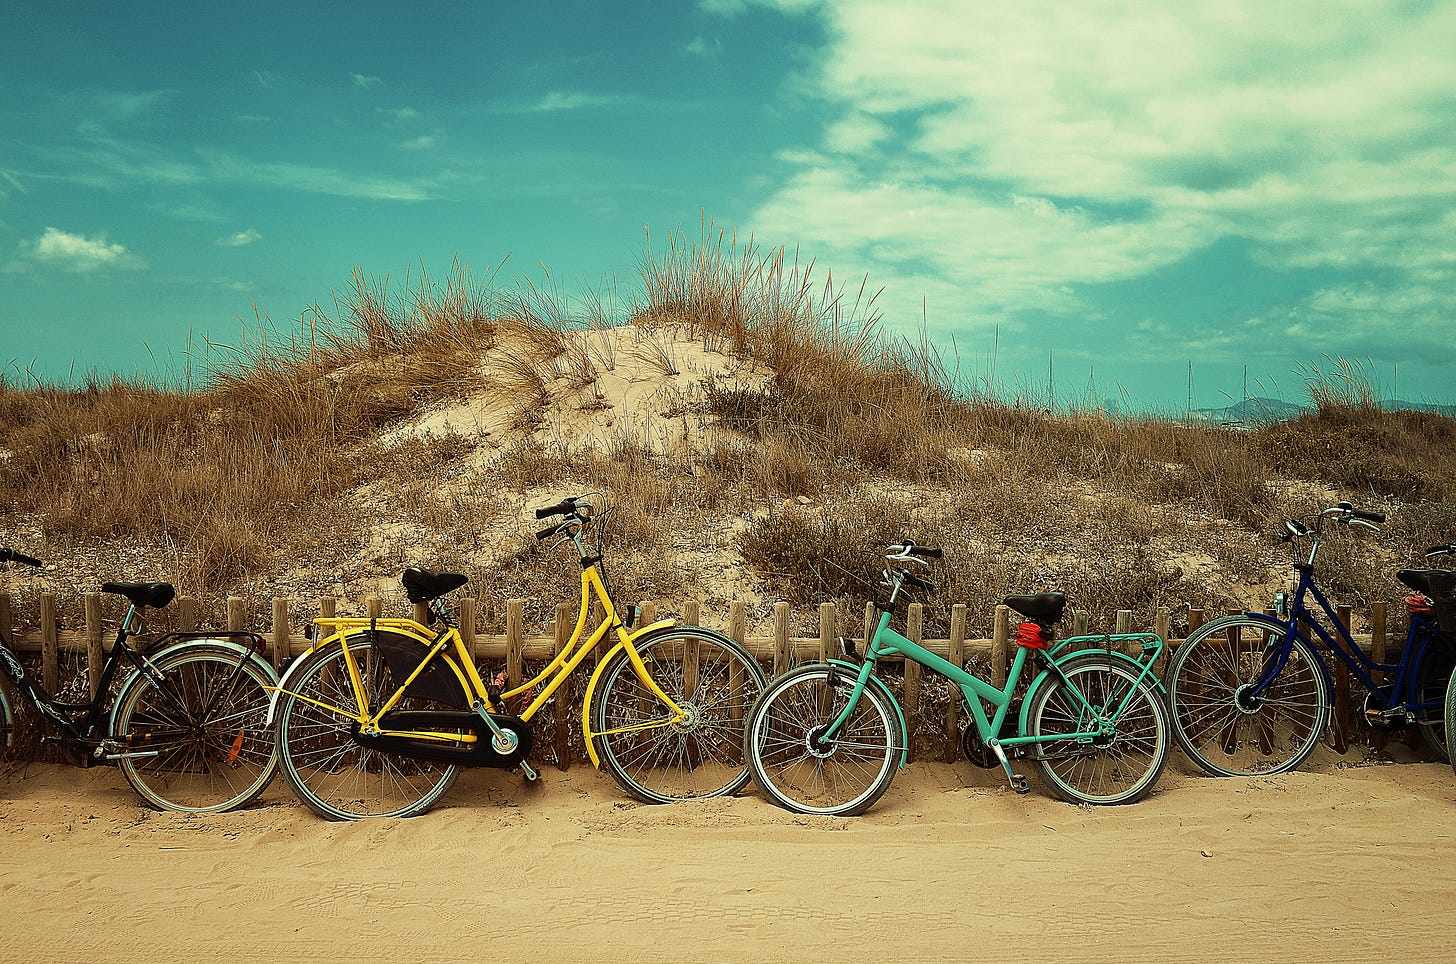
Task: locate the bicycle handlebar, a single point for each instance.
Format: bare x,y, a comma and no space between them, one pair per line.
10,555
565,505
1449,549
908,548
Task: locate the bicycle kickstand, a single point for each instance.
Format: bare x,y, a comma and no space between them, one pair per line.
1018,782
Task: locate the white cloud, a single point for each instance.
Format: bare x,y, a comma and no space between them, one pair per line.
1013,152
569,100
77,252
241,239
361,80
424,142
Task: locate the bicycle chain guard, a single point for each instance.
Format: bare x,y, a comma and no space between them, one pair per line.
479,753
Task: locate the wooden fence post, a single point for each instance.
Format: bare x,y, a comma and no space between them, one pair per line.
562,697
1379,653
958,659
515,642
828,625
1081,621
94,655
915,632
465,616
373,607
1000,641
781,638
186,610
281,635
1163,627
236,614
49,644
692,613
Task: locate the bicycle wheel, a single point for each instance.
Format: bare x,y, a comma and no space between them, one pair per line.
842,779
201,732
1119,768
1224,729
713,679
9,723
331,771
1432,681
1451,715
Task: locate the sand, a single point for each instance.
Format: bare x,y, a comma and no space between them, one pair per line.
1336,862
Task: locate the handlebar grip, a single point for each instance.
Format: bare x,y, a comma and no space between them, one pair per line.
549,531
929,552
1448,549
914,580
12,556
555,510
1367,516
565,505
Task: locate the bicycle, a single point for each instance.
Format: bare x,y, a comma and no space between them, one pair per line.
1250,693
188,725
379,717
827,738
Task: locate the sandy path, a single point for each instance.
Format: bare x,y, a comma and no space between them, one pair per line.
1335,863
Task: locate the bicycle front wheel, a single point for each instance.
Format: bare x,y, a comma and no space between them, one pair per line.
1117,767
9,724
197,740
713,680
841,778
332,772
1221,724
1451,715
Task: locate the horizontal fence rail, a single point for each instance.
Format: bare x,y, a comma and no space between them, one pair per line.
780,648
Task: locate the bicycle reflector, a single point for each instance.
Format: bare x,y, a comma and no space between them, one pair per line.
1029,634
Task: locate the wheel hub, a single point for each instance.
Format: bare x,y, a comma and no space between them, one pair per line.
691,718
1247,700
814,743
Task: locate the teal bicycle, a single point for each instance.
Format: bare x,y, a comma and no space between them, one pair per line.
827,738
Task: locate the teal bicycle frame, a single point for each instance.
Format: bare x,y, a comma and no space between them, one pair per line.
1096,722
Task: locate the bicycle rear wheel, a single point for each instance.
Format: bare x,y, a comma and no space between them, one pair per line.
1120,768
329,770
1432,680
201,733
1219,723
9,723
843,778
1451,715
713,679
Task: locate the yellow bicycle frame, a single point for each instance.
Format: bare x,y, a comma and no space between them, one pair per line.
463,666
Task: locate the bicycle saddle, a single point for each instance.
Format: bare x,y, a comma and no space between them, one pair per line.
422,585
1429,582
1044,607
154,594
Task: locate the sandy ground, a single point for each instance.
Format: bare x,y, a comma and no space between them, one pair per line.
1337,862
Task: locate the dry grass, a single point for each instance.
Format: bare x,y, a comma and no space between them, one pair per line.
276,471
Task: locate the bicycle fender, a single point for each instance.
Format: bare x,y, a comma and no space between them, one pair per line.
591,687
1041,679
875,681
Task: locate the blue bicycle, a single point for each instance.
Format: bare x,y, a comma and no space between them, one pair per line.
1250,693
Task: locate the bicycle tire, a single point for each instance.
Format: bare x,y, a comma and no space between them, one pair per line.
9,722
207,724
1275,734
1126,767
711,677
1451,715
843,780
1438,659
331,772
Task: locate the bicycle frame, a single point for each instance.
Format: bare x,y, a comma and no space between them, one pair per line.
1404,672
577,649
974,690
84,735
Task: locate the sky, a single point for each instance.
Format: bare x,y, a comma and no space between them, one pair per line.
1137,203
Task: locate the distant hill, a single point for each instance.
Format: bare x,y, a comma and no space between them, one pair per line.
1260,410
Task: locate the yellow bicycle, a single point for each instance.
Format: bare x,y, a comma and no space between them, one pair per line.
379,717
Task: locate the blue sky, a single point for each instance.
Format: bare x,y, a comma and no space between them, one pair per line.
1111,191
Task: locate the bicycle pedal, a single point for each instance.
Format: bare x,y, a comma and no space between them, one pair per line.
1019,784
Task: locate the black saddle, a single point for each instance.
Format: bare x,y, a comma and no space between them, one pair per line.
1044,607
154,594
1436,583
422,585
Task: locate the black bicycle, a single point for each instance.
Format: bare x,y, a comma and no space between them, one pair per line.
188,727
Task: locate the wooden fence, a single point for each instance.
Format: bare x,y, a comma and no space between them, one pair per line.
779,648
